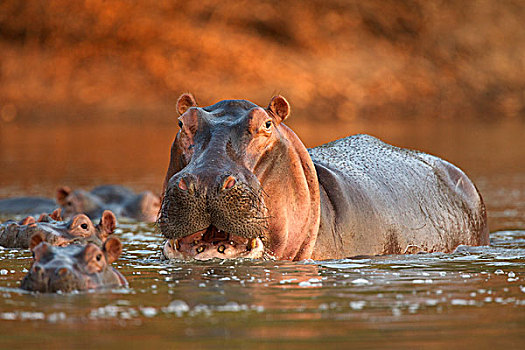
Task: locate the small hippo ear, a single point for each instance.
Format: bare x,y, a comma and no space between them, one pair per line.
107,224
113,249
62,193
27,221
44,217
279,108
56,214
184,102
35,240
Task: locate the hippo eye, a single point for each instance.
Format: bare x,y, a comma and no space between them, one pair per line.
268,124
98,257
84,226
69,203
180,123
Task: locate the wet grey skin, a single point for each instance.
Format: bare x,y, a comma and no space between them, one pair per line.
78,230
73,268
26,206
365,197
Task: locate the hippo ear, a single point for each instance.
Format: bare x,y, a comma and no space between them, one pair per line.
56,214
35,240
279,108
107,224
44,217
112,248
27,221
184,102
62,193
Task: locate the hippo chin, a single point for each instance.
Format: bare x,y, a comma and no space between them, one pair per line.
78,230
240,183
74,267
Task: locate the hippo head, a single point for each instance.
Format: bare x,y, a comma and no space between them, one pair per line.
226,164
79,229
144,206
74,267
77,202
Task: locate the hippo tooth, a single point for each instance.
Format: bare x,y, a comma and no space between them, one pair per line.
200,249
251,244
221,248
177,244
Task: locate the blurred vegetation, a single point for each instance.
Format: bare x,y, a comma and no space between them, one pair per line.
330,58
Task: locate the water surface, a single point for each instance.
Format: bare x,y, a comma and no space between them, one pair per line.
472,298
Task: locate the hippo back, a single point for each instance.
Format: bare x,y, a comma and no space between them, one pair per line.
381,199
26,206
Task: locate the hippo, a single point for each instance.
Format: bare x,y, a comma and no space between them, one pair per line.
240,183
121,200
79,230
26,206
74,267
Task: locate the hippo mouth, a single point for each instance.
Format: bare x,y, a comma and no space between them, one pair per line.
213,243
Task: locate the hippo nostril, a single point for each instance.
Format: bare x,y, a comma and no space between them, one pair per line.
182,185
187,184
62,272
228,183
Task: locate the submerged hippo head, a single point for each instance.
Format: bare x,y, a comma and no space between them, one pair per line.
79,229
74,267
144,206
78,202
124,202
232,167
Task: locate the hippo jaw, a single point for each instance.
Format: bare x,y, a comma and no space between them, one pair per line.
208,223
213,243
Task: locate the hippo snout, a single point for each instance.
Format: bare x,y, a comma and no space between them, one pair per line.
50,279
191,183
200,205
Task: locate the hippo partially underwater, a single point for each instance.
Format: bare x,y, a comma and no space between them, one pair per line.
122,201
55,231
74,267
240,183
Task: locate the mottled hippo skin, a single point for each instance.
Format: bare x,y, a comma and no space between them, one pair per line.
241,184
75,267
55,231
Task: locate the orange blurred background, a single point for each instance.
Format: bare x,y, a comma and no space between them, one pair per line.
341,59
